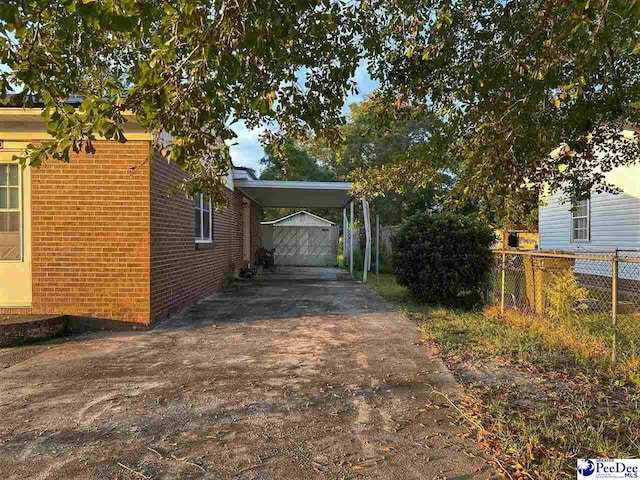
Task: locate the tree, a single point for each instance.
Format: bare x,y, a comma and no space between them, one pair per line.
514,80
187,68
297,164
509,81
382,141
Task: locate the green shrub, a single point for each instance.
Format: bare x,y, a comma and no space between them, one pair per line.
443,257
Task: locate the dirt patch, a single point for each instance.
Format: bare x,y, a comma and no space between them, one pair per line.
241,393
533,384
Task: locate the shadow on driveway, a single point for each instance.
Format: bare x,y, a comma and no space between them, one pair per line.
288,293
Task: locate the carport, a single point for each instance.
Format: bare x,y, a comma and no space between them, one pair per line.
305,194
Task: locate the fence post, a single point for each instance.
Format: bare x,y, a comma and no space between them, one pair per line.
377,247
351,241
502,281
614,304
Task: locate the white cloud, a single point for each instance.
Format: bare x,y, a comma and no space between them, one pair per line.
248,151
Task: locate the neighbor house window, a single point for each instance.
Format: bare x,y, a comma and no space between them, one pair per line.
10,213
202,217
580,221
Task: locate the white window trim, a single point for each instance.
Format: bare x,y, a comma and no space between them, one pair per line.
20,211
202,239
588,217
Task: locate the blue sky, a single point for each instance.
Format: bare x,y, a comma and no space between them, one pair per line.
248,151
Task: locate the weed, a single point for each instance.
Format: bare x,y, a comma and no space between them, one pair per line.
230,279
564,294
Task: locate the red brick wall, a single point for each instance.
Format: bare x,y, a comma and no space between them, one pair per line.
90,234
108,242
256,230
181,271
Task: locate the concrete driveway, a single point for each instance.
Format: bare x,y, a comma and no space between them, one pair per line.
302,374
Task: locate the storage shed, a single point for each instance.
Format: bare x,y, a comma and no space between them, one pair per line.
302,239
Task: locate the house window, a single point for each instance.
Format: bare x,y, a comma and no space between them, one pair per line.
580,221
203,219
10,212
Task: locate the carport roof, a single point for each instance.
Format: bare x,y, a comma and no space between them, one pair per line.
272,193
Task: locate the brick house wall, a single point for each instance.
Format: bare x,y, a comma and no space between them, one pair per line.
109,243
256,230
90,235
182,271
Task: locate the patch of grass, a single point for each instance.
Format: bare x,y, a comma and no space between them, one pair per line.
387,287
541,435
543,390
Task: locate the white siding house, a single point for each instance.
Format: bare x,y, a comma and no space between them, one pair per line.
605,222
612,221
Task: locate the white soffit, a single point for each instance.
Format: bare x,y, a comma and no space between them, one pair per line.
271,193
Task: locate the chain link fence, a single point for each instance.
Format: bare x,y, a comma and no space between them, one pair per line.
559,285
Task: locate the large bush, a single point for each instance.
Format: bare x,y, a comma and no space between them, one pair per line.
443,257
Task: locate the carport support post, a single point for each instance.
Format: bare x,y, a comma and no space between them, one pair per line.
367,231
377,247
344,236
351,241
